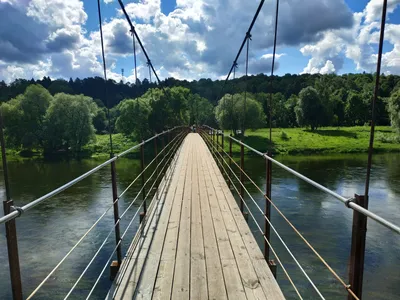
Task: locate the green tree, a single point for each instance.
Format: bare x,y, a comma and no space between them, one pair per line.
200,110
394,109
100,120
231,114
356,109
69,122
24,117
134,117
309,107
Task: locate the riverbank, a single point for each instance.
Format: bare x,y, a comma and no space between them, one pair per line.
325,140
284,141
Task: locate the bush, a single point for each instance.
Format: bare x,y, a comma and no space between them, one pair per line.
284,136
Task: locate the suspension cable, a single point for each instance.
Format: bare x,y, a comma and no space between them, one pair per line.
133,30
248,35
272,249
105,78
272,73
346,286
241,46
134,55
376,92
276,232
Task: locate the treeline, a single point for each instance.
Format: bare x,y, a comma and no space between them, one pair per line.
37,120
287,85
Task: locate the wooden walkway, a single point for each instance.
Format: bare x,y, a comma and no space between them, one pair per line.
196,244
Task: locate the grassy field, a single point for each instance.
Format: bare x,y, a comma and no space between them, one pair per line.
284,141
325,140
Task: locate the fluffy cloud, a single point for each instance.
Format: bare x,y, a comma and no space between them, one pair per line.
358,43
199,38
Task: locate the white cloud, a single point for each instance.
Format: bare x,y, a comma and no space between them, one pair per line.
373,10
358,43
199,38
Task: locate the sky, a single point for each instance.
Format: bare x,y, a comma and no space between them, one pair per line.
193,39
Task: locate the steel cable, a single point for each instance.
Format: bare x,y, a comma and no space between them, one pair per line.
346,286
122,237
272,249
273,228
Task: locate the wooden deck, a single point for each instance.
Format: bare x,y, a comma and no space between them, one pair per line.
196,244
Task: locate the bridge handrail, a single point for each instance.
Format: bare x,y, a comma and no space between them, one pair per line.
347,201
16,213
173,144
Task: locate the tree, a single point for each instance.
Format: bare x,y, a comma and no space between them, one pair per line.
356,109
200,110
24,117
233,112
69,122
309,107
100,120
394,109
134,117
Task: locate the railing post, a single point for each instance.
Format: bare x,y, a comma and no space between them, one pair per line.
357,254
13,257
115,264
230,158
241,177
11,229
267,228
156,161
143,179
222,148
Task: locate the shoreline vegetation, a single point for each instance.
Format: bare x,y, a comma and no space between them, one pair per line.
285,141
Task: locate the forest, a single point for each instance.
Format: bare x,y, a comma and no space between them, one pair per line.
57,115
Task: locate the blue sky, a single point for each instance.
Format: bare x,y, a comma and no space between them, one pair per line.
193,39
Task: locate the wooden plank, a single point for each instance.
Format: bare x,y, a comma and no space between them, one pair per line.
147,280
198,276
215,277
165,275
262,271
248,275
233,282
180,285
128,277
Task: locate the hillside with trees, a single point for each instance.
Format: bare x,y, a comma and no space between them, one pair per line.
59,115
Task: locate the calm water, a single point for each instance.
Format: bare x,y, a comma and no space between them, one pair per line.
47,232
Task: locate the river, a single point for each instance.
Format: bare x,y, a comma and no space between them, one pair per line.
47,232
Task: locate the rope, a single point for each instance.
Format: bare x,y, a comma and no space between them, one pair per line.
272,249
276,232
346,286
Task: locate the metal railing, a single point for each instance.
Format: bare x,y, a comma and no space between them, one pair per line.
225,161
162,162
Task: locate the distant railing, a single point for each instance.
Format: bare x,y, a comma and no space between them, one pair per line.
360,215
162,160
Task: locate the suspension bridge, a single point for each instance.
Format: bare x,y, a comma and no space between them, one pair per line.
192,239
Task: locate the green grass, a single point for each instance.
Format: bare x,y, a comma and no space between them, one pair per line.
324,140
101,147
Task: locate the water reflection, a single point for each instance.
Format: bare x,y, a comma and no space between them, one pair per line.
47,232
